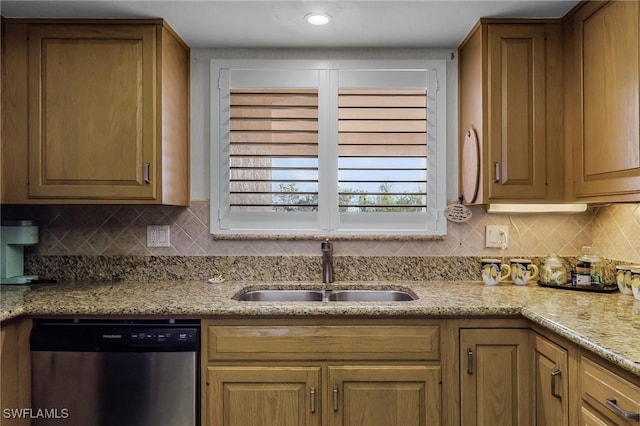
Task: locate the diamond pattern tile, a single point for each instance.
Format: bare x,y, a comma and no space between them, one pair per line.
617,232
121,230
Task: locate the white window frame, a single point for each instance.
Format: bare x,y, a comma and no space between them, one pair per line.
294,73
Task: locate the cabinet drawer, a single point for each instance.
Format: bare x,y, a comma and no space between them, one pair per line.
323,342
600,384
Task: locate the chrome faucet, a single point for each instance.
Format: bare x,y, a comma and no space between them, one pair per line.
327,261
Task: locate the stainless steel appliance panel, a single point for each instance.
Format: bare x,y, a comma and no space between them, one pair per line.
97,376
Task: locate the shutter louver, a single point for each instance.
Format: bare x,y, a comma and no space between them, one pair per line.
382,150
274,150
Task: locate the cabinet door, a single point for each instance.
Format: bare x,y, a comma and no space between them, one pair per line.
552,383
15,370
496,377
383,396
607,154
516,101
92,109
246,396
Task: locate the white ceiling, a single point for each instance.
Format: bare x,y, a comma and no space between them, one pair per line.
265,23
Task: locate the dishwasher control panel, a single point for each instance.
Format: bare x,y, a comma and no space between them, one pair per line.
178,336
125,337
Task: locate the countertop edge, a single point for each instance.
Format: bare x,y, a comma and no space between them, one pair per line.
496,302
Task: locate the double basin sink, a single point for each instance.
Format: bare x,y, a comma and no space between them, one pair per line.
325,296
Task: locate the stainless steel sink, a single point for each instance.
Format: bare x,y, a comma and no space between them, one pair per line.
282,296
370,296
325,295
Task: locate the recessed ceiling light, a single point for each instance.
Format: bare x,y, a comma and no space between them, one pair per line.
317,18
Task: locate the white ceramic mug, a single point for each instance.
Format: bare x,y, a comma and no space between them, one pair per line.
491,271
623,278
635,282
522,271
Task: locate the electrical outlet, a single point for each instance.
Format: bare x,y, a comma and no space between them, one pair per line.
497,236
158,236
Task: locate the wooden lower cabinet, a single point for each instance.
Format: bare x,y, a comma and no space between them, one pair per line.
356,395
15,367
244,395
384,395
551,382
496,377
609,396
352,372
590,417
367,372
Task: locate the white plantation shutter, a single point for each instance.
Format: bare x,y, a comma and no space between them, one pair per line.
382,149
391,151
328,147
265,150
273,150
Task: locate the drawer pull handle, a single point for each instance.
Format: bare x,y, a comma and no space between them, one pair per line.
554,378
313,399
146,172
469,361
335,398
613,404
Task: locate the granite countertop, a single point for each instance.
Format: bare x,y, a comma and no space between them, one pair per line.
587,319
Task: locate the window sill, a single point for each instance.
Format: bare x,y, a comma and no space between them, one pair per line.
332,237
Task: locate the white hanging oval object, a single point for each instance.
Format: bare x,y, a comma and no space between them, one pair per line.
457,213
470,165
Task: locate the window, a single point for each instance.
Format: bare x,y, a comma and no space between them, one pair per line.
273,149
328,148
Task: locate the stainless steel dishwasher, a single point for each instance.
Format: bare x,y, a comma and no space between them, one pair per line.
115,373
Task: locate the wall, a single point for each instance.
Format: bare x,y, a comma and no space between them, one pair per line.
617,232
108,242
121,230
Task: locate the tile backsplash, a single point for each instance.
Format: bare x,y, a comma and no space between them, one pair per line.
121,230
616,231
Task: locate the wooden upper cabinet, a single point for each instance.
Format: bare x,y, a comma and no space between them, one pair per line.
106,110
510,98
91,111
603,109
